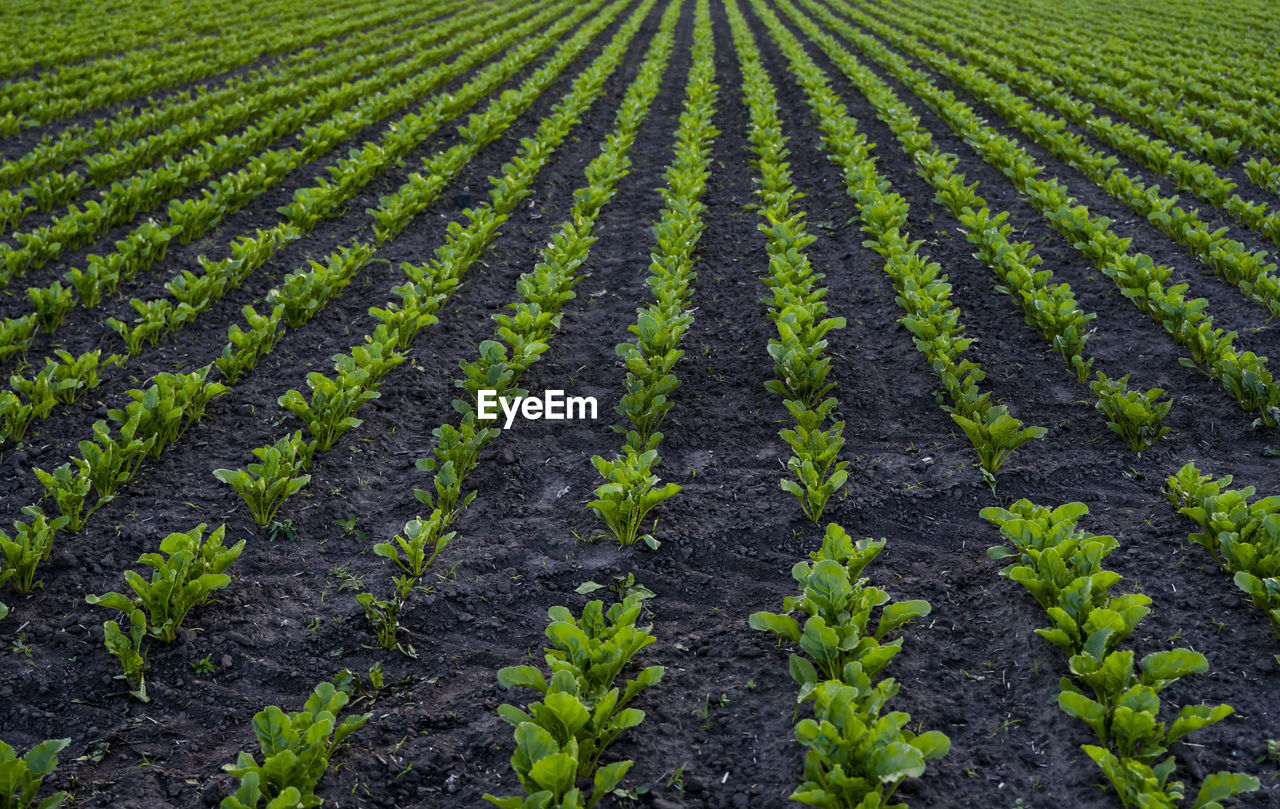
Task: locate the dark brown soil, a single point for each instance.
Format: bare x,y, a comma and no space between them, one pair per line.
718,731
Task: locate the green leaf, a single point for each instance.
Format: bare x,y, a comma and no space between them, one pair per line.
803,672
932,745
53,801
42,758
1081,707
782,625
1172,664
1222,785
896,761
1193,717
554,772
606,778
895,615
527,676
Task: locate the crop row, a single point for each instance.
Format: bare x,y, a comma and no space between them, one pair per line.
1242,373
122,201
1247,269
107,461
108,156
1049,307
629,492
923,291
28,103
197,293
330,410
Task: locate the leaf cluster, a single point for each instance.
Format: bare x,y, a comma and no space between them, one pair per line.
1243,537
1062,568
186,571
295,748
561,738
857,755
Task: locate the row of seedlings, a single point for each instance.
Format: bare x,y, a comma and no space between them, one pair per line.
543,293
1136,416
108,462
1061,566
74,141
1210,132
156,418
297,79
30,102
324,124
561,738
923,290
1188,173
1247,269
796,307
1242,537
857,755
194,294
1242,373
628,493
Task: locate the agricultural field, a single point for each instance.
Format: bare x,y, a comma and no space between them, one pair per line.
639,403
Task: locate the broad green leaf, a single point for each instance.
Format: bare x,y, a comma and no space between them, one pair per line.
1172,664
554,772
782,625
527,676
1219,786
895,615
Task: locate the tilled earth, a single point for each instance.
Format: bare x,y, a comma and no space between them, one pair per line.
718,731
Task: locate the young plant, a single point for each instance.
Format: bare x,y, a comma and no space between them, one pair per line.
384,615
814,462
70,491
127,648
456,453
629,494
113,462
995,435
838,604
182,579
30,545
296,749
330,411
418,548
244,348
21,777
51,304
42,391
1136,417
15,416
265,486
561,738
798,354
